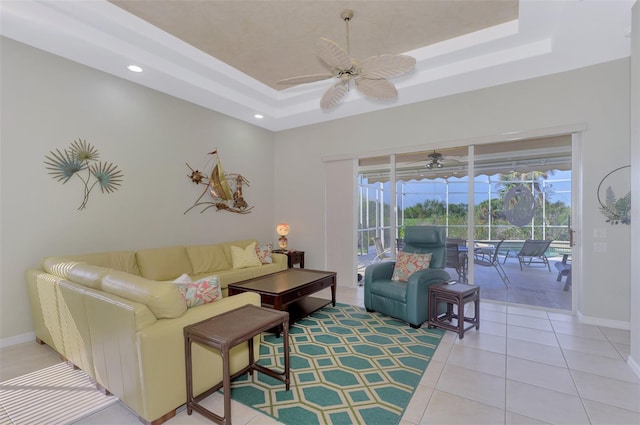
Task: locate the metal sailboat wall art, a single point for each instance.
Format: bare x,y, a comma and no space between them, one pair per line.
224,188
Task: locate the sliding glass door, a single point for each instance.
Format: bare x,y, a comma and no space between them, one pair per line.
521,191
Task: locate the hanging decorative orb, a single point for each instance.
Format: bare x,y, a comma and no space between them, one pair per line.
519,206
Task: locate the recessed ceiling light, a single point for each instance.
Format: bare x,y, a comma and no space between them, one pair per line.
134,68
258,116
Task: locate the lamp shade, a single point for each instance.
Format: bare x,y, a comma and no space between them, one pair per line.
282,229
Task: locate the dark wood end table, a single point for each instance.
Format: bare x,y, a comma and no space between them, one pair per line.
458,294
293,257
223,332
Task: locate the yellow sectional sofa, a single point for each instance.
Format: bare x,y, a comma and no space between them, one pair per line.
119,317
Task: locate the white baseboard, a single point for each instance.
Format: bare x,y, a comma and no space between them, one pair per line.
634,366
597,321
18,339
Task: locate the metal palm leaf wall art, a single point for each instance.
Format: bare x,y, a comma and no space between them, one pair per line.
224,188
81,160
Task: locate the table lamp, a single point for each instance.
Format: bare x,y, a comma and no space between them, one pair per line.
283,230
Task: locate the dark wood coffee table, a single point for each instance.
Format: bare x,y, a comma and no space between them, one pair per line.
289,290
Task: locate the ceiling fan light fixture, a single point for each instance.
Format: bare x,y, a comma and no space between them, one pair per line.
369,76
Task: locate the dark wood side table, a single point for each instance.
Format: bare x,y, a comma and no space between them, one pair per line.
458,294
223,332
293,257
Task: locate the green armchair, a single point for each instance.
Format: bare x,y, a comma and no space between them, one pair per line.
408,301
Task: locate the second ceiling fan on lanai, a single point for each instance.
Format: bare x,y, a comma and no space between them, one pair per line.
438,160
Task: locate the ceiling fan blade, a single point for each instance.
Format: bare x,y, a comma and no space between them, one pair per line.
333,96
304,79
332,54
386,66
378,89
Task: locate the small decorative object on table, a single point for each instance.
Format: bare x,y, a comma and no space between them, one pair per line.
458,294
282,229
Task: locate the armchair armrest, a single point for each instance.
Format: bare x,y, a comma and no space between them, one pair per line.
375,272
419,282
379,271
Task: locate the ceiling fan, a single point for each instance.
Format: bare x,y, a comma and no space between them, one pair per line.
369,76
437,160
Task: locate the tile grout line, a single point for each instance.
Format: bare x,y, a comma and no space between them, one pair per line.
582,403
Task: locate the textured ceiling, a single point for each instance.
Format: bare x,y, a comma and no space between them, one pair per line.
273,40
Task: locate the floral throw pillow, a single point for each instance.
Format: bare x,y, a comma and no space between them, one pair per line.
407,264
203,291
264,253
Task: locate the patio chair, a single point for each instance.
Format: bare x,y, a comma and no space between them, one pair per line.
381,253
457,260
489,258
532,252
564,269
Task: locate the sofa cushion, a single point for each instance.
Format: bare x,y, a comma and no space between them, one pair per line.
247,257
390,289
163,298
118,260
207,258
88,275
59,266
408,263
163,263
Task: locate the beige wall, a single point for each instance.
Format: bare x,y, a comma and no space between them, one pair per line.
47,102
597,97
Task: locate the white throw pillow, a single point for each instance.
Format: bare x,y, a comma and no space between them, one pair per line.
183,278
241,258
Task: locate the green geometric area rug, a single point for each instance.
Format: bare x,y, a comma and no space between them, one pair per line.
347,367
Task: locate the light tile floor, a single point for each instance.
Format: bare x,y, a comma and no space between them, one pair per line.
524,366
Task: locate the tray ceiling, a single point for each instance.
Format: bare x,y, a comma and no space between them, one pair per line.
226,55
273,40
